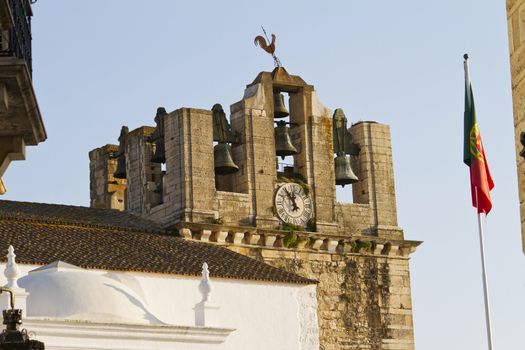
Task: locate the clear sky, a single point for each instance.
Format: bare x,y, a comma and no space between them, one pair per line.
101,64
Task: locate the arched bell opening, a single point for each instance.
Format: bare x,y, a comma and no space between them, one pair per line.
285,147
155,181
120,155
346,158
225,152
157,171
117,172
346,170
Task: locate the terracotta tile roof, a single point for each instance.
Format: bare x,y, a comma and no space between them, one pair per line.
112,240
78,216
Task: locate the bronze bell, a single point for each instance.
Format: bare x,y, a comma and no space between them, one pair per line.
224,164
279,108
283,143
159,156
120,173
344,174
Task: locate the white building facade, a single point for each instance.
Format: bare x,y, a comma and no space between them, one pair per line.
70,307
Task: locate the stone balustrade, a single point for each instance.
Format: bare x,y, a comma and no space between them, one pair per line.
296,240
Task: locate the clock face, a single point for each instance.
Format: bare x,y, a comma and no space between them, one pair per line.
292,204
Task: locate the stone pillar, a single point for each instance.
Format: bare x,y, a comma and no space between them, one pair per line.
322,164
189,182
139,169
376,175
257,174
106,191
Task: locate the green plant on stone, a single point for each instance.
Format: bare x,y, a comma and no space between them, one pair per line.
312,225
359,245
218,221
290,239
290,227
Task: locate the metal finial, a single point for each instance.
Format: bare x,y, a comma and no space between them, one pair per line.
465,56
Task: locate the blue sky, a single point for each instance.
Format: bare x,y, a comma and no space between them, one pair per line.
101,64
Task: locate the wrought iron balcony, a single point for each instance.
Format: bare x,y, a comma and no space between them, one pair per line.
15,31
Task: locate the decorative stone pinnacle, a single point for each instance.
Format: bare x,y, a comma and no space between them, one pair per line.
11,272
205,285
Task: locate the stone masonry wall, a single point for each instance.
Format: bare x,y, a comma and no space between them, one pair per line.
138,168
234,208
106,191
375,171
516,27
257,173
364,300
354,218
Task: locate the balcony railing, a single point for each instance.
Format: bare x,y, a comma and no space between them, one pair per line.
16,40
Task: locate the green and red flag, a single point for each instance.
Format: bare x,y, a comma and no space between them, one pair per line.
474,154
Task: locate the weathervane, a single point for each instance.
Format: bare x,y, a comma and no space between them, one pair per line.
263,43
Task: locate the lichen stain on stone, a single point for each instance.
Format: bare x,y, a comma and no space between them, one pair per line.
327,130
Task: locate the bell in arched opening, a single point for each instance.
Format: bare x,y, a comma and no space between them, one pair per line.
120,173
159,156
283,143
223,160
344,174
279,108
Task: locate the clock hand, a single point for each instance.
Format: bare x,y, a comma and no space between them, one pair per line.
292,198
295,206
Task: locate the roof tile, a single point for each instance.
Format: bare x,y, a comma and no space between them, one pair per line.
112,240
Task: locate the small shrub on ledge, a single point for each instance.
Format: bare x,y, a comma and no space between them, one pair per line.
218,221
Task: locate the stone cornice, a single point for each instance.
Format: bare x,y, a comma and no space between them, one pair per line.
296,240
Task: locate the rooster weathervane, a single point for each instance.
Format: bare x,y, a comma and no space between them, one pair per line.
270,48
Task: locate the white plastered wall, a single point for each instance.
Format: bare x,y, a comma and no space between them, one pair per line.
265,315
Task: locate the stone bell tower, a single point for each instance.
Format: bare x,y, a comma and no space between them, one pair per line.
219,181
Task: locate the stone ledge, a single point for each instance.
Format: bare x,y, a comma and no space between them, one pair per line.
314,242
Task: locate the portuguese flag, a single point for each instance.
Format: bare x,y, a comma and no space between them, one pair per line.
474,154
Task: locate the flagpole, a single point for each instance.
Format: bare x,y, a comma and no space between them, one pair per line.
484,274
469,107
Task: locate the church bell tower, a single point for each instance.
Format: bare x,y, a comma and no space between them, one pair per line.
263,183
